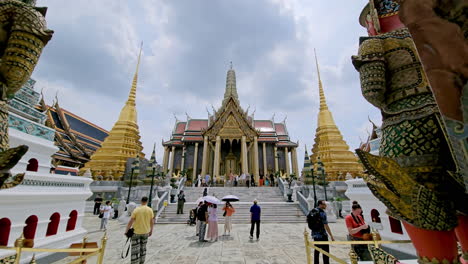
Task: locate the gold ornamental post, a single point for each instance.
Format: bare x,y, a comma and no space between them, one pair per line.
19,243
103,248
306,240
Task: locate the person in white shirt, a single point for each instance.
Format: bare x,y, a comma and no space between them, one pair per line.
106,212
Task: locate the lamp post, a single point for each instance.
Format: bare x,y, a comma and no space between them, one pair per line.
322,169
151,188
313,184
135,165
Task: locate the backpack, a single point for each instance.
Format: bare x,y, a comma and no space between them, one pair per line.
314,220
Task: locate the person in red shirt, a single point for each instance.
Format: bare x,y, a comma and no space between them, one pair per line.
356,229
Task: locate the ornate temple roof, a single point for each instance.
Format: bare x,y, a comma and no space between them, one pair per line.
192,130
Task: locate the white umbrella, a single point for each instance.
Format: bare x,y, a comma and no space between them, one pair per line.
211,199
200,200
230,198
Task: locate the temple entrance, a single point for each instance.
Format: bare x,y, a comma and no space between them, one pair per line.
230,152
231,164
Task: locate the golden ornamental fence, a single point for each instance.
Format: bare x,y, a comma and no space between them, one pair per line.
310,244
83,250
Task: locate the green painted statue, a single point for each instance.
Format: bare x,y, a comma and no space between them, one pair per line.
23,35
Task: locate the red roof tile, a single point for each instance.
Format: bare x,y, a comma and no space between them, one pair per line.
280,129
264,125
197,125
193,138
180,128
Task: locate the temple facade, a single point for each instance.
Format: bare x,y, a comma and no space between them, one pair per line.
230,141
330,146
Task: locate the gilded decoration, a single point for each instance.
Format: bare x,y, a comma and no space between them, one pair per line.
23,34
417,164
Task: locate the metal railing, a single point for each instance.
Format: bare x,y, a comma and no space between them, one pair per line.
181,184
310,244
163,202
83,253
281,185
303,204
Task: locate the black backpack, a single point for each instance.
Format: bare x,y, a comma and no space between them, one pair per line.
314,220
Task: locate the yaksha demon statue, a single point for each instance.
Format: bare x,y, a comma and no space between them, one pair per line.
23,35
416,175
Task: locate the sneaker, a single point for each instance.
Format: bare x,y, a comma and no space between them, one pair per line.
251,237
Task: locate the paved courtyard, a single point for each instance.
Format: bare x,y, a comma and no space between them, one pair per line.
177,243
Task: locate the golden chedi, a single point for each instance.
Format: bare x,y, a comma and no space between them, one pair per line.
329,145
122,143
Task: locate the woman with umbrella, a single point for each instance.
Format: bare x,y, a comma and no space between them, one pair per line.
228,211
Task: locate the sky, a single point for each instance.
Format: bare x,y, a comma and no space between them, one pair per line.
188,46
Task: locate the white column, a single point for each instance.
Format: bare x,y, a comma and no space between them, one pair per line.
205,156
276,158
244,155
217,157
171,163
255,158
165,159
195,162
265,168
286,157
182,161
295,165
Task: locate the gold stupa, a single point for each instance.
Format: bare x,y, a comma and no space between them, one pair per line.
122,143
330,146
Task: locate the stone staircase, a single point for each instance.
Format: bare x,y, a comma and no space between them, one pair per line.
275,209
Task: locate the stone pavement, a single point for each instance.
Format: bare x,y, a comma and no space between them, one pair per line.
177,243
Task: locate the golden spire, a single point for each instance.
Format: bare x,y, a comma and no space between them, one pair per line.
123,141
329,143
231,89
129,112
323,102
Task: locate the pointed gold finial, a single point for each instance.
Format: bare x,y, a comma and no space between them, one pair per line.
323,102
132,95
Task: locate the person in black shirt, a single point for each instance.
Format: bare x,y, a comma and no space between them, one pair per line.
97,204
202,215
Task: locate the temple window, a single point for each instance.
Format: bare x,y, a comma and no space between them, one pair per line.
72,220
375,216
395,225
53,224
5,225
29,231
33,165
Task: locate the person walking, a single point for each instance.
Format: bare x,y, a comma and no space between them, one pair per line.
205,192
142,221
260,180
272,180
197,225
255,212
180,202
212,235
106,212
115,206
356,229
97,204
228,211
247,179
252,181
207,179
202,216
318,224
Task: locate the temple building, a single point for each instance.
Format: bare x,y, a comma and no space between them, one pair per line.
329,144
122,143
230,141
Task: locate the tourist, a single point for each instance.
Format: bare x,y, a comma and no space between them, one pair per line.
255,212
252,180
97,204
207,179
339,206
180,202
247,179
260,180
198,184
228,211
272,180
212,234
115,206
202,215
142,221
197,225
236,180
205,192
318,224
231,178
356,229
106,212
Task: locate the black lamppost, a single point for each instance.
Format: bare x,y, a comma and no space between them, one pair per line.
313,184
151,188
322,169
135,168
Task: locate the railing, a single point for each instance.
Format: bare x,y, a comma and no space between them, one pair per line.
163,202
303,204
83,252
181,184
281,185
310,244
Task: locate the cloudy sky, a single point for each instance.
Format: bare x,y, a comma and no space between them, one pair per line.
188,45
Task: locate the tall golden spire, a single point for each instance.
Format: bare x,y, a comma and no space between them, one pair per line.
329,144
231,89
123,141
323,102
